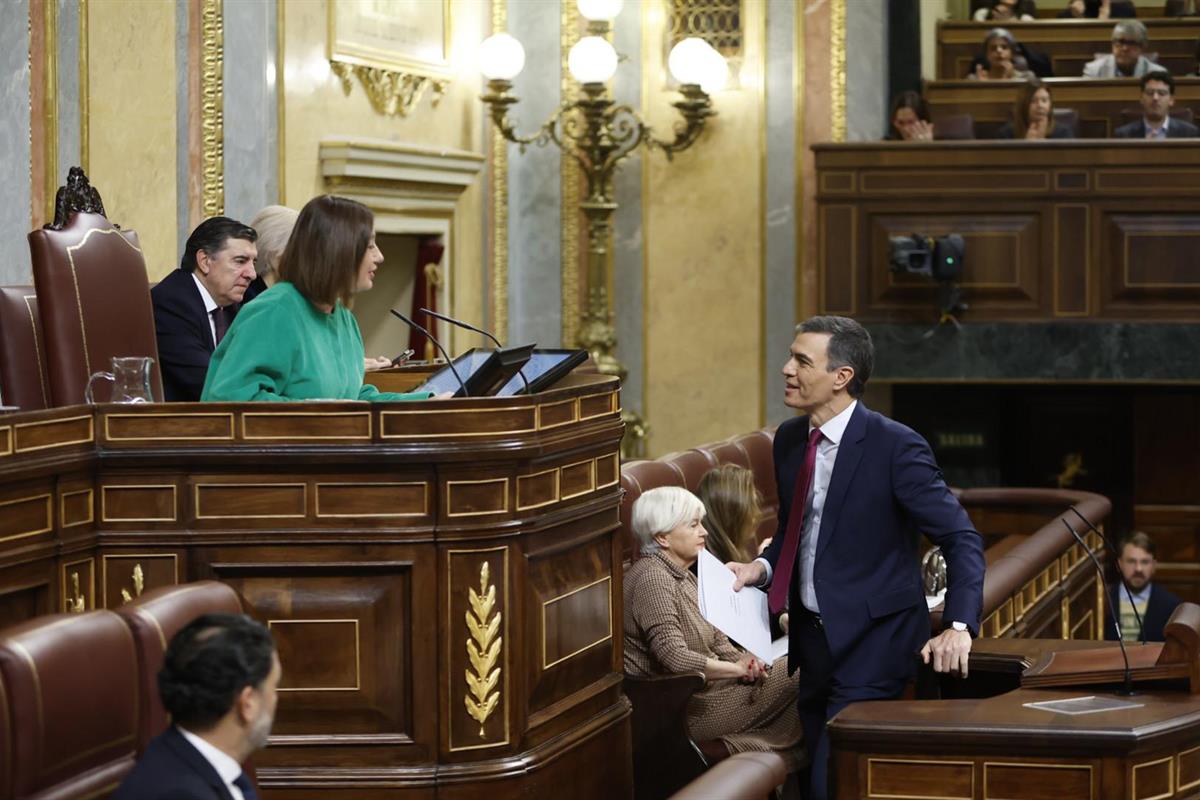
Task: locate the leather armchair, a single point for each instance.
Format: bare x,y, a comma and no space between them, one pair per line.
664,756
22,347
744,776
70,686
93,294
155,618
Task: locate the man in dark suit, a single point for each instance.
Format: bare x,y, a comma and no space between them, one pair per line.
196,304
1136,589
218,682
856,490
1158,97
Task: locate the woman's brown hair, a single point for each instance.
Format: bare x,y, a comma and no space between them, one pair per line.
731,503
328,243
1021,109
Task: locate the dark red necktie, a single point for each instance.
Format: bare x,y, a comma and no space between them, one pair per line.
220,322
777,594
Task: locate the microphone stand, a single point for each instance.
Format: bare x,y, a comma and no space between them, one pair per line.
436,344
473,329
1128,591
1127,690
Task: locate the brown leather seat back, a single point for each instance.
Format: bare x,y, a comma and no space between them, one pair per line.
95,302
1067,118
22,350
70,683
954,127
155,618
759,447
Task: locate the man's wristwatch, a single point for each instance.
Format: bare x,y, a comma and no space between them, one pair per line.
958,626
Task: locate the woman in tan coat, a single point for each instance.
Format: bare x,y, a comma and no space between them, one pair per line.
744,703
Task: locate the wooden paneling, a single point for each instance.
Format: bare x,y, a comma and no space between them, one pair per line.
124,576
1039,781
1149,260
1071,258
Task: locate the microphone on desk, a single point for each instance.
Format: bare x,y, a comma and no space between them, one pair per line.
1128,688
436,344
473,329
1128,591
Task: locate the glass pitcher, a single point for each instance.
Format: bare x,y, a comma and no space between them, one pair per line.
130,378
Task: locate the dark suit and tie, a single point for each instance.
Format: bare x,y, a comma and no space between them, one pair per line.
185,335
172,769
1176,129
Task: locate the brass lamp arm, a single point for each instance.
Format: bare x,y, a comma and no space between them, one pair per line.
696,108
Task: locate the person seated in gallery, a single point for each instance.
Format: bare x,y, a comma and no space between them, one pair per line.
218,682
744,703
1006,11
1129,40
1098,9
1181,8
1001,60
1136,590
298,340
909,120
731,502
1157,100
195,304
1033,115
274,225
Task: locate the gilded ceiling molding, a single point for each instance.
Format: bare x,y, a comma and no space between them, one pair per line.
499,204
571,178
837,68
212,102
391,92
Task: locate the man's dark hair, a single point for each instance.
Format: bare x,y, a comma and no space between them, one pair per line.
210,236
849,346
1137,539
1162,76
207,665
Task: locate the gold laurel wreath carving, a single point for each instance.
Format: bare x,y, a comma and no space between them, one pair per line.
139,584
483,651
76,603
390,92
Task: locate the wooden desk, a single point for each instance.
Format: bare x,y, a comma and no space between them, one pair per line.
359,532
1054,230
1069,43
1098,103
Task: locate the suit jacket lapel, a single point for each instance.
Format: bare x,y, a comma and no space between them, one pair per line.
850,451
192,757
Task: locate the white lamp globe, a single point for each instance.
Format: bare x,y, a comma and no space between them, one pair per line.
592,60
501,57
696,61
599,10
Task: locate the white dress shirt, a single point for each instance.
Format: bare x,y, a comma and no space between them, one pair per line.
1159,132
228,769
210,306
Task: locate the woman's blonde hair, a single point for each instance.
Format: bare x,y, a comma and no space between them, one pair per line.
731,502
274,227
662,510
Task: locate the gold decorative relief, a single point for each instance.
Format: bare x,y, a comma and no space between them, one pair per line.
391,93
139,584
212,102
483,650
837,68
76,602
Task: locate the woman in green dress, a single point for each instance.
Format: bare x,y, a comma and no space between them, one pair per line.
298,340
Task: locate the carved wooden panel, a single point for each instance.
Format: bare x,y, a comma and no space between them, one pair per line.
913,777
374,500
306,426
27,590
1187,767
76,507
25,515
838,258
1072,255
597,405
137,501
1149,260
54,433
1039,781
552,415
420,423
242,501
197,426
472,498
124,576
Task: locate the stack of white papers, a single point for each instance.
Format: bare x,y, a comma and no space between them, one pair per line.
742,615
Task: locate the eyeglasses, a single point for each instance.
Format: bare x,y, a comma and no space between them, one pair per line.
1156,92
1126,43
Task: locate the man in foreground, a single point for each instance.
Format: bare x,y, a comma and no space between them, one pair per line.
856,490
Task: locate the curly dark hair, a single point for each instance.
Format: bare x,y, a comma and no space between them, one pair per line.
207,665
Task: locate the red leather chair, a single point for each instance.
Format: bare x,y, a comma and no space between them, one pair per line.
70,685
93,293
22,347
155,618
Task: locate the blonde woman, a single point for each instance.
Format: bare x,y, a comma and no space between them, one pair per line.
731,504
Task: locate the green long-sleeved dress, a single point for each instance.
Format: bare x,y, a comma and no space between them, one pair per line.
280,347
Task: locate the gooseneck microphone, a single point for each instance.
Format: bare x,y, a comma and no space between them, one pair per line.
473,329
436,344
1128,591
1128,688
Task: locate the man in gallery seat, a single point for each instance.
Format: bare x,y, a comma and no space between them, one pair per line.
196,304
1129,40
1135,589
1157,99
218,682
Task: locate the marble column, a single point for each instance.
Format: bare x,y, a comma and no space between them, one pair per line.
14,142
251,139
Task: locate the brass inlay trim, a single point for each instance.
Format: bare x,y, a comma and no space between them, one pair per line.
271,623
1179,769
91,437
450,503
62,509
553,499
1170,761
573,402
1035,765
456,435
37,344
375,514
104,490
606,637
108,434
198,486
49,516
135,558
77,602
483,651
6,441
871,762
616,470
591,482
302,437
612,405
212,107
503,551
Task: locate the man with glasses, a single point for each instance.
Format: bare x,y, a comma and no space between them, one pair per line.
1129,39
1158,96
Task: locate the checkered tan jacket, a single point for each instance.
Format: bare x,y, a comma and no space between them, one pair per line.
665,634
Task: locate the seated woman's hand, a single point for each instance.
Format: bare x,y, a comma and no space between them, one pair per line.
378,362
753,669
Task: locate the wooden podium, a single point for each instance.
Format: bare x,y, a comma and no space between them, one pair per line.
442,578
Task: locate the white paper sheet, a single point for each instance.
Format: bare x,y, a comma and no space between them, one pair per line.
742,616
